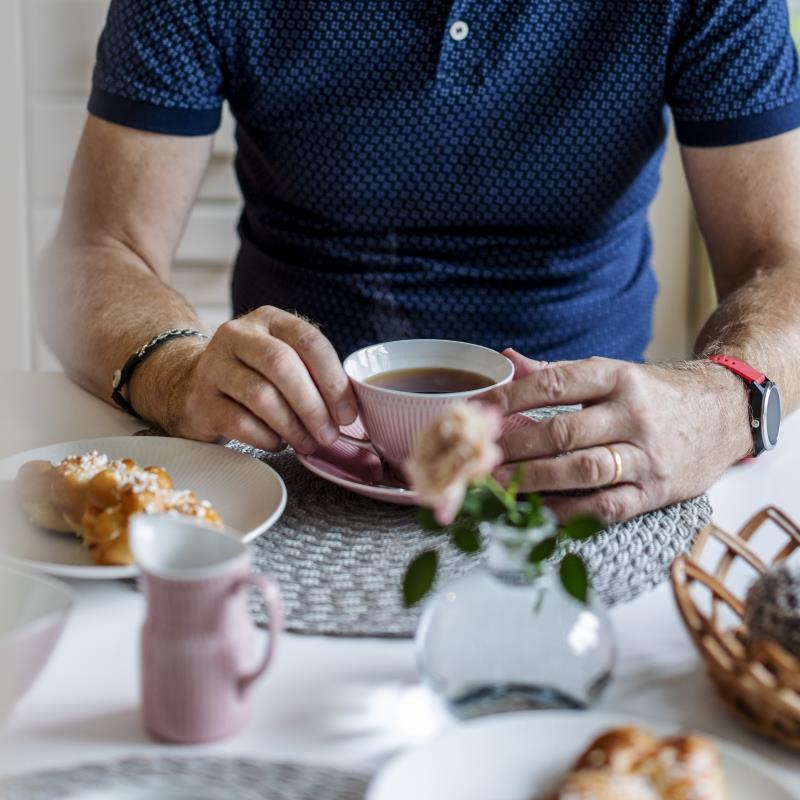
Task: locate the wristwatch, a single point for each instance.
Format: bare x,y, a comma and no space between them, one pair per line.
765,403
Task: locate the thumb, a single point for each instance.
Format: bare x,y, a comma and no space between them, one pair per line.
522,364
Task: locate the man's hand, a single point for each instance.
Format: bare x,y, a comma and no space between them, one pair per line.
675,428
265,379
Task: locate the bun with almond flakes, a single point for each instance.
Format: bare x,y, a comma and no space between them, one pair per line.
629,763
94,497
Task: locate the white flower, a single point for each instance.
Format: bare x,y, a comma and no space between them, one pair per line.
457,449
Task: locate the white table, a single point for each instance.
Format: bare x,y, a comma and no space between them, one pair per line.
341,702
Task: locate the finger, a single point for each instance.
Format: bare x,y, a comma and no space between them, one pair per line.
249,389
592,468
281,366
558,384
616,504
233,421
323,363
576,430
522,364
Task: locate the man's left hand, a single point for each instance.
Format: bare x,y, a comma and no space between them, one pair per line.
675,429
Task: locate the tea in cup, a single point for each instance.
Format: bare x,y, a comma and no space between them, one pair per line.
403,386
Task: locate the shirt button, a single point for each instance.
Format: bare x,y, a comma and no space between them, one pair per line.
459,30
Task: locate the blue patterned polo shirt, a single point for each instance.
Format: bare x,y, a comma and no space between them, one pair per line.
474,170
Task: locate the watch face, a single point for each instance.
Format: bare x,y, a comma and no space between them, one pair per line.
771,416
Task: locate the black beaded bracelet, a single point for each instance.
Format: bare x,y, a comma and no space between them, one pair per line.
122,376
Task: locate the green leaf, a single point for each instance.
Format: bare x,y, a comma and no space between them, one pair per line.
465,535
472,502
573,576
483,503
419,577
533,511
534,501
515,519
491,483
512,490
580,528
427,521
543,550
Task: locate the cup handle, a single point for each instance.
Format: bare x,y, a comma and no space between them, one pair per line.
269,591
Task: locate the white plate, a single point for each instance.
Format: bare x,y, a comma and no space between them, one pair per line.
520,756
249,496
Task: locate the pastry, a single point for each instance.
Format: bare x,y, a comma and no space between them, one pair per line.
32,487
629,763
95,497
68,485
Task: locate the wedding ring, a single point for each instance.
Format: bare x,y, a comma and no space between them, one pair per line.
617,464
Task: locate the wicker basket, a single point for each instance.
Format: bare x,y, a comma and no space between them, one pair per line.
760,681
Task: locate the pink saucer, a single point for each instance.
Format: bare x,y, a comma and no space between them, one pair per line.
362,471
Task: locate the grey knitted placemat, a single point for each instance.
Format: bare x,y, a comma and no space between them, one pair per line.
339,557
201,778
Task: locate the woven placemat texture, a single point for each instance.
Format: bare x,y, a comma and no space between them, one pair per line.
218,778
340,557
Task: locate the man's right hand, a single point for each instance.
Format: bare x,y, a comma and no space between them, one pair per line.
265,379
103,288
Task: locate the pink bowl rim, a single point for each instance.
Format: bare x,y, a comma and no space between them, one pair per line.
50,619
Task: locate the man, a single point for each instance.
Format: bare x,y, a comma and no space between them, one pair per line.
477,171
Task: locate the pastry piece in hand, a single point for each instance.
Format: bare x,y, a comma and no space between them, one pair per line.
631,764
33,488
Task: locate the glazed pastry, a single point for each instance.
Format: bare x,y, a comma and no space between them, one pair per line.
606,785
618,750
68,486
95,498
631,764
32,487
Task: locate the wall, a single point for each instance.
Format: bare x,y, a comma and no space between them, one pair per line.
672,225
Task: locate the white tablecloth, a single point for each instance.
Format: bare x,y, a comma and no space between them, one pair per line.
339,702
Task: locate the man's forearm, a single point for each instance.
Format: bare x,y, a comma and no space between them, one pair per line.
759,322
97,304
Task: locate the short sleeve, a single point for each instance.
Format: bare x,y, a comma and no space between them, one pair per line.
733,73
159,67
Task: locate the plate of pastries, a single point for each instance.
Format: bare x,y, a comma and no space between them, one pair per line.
66,507
572,755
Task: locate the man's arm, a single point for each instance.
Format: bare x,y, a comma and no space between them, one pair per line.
747,202
677,427
102,292
102,286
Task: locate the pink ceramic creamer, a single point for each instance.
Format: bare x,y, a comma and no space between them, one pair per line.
198,643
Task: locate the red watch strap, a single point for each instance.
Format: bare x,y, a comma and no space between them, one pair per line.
739,368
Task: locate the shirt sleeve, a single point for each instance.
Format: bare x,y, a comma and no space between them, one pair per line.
159,67
733,72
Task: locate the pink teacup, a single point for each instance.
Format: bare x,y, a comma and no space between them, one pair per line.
198,661
393,419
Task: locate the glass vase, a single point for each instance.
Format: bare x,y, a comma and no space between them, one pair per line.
507,636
